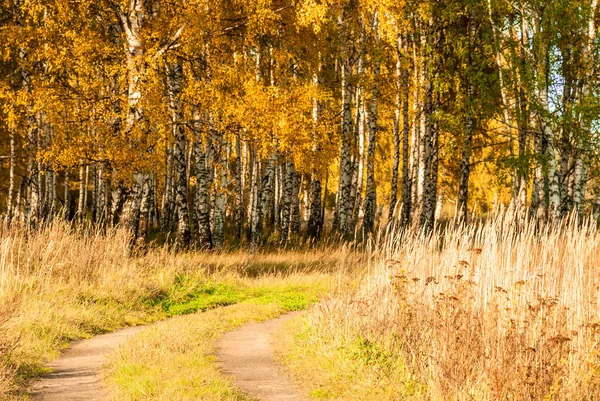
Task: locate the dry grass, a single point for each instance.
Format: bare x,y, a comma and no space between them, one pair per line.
486,312
61,284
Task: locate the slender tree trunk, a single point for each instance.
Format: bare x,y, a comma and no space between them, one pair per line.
168,203
344,208
94,205
81,195
424,129
579,182
265,196
102,194
144,222
220,197
371,193
175,87
254,201
553,179
286,202
86,190
11,178
22,189
428,166
66,196
204,177
239,187
315,223
539,207
32,208
416,134
315,220
407,182
465,163
276,220
396,134
131,26
295,202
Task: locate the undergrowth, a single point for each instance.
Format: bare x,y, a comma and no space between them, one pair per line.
492,311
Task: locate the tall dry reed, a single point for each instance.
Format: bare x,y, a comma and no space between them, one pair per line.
492,311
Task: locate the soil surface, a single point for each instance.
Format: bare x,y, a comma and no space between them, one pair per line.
76,373
246,355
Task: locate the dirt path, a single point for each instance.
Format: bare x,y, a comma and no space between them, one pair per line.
247,355
76,373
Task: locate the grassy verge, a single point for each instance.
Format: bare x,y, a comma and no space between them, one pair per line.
356,369
174,360
59,285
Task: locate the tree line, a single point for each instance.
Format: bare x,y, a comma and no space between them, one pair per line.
257,120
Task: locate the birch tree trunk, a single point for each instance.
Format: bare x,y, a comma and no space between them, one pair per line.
66,196
265,196
131,25
286,201
22,189
358,142
315,223
11,178
168,203
315,220
81,195
220,197
204,176
295,202
538,196
239,189
544,115
548,137
175,87
407,182
416,131
255,202
101,194
579,183
344,208
396,134
32,207
424,131
428,165
465,163
371,194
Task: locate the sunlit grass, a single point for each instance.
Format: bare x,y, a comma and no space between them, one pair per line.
61,284
175,359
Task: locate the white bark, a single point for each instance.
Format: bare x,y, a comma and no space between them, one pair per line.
175,87
203,156
344,208
371,192
11,178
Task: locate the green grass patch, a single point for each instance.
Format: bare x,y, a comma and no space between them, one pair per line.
174,360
